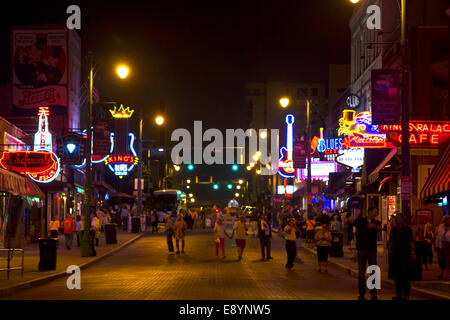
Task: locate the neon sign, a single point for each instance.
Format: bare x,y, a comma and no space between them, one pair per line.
353,157
122,112
421,133
28,162
122,164
286,164
320,170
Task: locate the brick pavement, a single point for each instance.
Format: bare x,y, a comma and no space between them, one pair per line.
145,270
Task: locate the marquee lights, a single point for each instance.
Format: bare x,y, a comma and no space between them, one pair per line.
421,133
122,112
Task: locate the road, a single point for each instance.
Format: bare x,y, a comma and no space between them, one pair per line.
145,270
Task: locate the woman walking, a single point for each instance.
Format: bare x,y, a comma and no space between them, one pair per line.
54,227
240,230
428,240
323,243
291,248
96,226
219,237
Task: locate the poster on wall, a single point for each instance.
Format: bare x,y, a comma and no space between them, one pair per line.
39,70
385,96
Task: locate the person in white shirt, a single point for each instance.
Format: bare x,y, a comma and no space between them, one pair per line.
219,237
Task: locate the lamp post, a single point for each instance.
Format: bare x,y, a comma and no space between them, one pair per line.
139,186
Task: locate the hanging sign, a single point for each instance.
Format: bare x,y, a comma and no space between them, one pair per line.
422,134
28,162
286,163
353,157
122,164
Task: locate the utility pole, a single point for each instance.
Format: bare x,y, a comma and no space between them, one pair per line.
308,154
87,250
406,200
139,186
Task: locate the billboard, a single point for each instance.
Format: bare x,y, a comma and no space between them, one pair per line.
385,96
39,70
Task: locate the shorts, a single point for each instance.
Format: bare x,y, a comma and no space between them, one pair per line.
309,234
240,243
322,253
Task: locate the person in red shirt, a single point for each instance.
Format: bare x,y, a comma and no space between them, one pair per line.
68,226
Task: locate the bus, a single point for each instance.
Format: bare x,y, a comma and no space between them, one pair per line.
169,201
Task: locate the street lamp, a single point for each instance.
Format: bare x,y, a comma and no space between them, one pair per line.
190,195
238,187
188,181
122,71
192,200
249,168
177,168
236,194
159,120
284,102
241,181
263,134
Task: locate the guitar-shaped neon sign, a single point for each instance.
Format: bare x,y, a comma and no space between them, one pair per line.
286,164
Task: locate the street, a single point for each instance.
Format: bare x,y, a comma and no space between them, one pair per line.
144,270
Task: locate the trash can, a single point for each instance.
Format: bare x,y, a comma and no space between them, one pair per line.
135,224
47,253
337,240
110,233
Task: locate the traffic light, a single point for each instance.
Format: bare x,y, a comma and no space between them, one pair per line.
235,167
229,186
190,167
216,186
71,148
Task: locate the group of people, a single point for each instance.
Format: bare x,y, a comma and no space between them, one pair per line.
68,227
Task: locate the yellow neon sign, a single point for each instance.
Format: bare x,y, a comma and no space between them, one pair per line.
122,112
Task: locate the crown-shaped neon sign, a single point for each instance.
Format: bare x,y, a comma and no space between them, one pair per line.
121,112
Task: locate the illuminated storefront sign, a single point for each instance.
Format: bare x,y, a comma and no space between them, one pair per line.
28,162
353,157
285,190
422,133
122,164
122,112
320,170
286,164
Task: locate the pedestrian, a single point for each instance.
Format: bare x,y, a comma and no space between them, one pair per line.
54,227
265,235
310,225
403,253
349,227
96,227
219,237
68,227
336,225
291,247
418,242
77,228
366,245
323,243
428,240
169,232
179,229
240,230
124,213
443,248
154,219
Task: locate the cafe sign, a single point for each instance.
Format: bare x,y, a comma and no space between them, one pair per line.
28,162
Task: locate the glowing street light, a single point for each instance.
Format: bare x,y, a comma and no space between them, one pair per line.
284,102
258,171
159,120
354,1
255,157
177,168
241,181
263,134
192,200
122,71
252,164
238,187
190,195
188,181
249,168
236,194
188,187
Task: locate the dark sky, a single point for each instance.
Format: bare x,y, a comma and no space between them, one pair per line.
195,56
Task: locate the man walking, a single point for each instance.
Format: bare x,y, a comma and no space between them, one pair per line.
265,235
169,232
366,246
68,226
179,229
291,247
401,247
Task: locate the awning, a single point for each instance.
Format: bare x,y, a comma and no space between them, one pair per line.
338,181
439,179
18,185
378,158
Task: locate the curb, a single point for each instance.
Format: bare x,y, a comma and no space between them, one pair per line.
354,273
39,281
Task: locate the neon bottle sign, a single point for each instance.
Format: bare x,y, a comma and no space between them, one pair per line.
122,164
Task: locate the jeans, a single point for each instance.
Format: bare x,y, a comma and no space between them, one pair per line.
365,258
401,266
68,239
170,240
291,251
125,223
265,247
54,233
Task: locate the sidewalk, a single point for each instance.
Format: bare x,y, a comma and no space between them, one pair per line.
32,276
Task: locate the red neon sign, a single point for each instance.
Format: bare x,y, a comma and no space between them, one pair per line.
422,133
121,158
28,162
356,141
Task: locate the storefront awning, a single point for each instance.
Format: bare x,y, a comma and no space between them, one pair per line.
19,185
378,158
439,179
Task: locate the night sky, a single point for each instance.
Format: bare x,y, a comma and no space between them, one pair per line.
194,57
